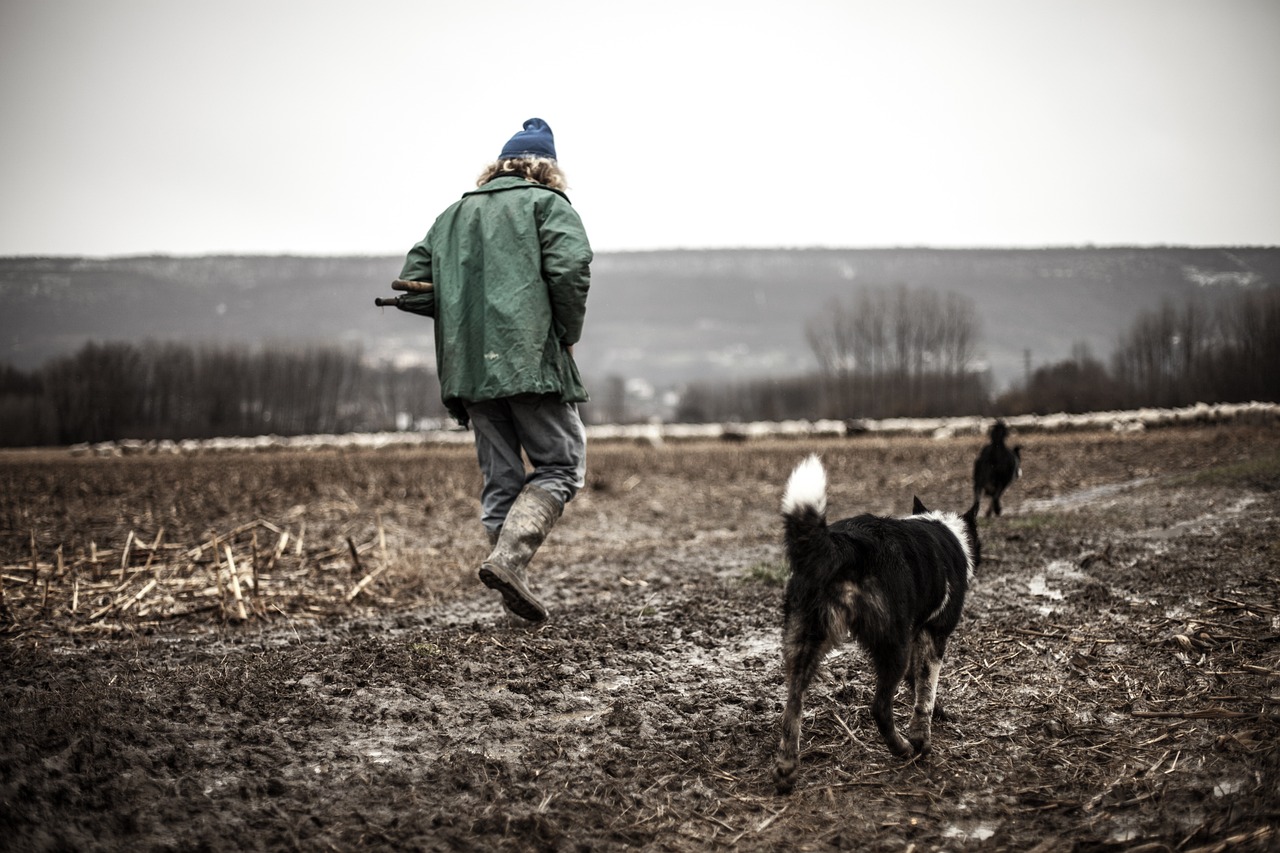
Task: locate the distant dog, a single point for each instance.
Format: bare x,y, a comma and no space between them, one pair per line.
996,467
895,585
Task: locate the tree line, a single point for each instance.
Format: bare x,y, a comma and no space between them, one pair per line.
881,353
175,391
899,352
1198,351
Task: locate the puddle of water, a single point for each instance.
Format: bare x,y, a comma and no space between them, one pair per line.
1227,787
1124,832
981,832
1083,496
1040,588
571,716
1065,570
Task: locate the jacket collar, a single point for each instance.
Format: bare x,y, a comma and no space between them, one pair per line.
513,183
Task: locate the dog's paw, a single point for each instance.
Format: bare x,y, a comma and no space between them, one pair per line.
902,747
922,746
784,776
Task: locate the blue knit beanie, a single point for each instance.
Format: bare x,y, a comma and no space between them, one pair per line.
535,140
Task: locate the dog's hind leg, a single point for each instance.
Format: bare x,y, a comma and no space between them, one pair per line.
939,713
800,662
926,662
891,664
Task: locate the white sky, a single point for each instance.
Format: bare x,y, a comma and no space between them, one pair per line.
312,127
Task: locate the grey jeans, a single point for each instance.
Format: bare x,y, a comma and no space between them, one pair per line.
548,430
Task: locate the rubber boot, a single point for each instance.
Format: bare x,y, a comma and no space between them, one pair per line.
531,518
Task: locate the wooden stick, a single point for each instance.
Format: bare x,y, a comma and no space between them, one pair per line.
412,286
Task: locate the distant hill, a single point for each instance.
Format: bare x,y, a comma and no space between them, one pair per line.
663,317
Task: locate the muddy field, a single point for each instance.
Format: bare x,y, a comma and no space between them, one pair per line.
290,650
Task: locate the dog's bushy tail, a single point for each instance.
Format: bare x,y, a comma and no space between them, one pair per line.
804,519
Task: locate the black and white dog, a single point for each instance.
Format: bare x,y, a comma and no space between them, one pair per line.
895,585
996,467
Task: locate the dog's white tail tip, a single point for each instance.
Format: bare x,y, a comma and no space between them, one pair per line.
807,488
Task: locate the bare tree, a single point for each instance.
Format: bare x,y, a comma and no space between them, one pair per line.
897,351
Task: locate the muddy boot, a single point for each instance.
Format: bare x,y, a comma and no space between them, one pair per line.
531,518
493,536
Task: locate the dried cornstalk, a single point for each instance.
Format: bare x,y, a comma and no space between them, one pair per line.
254,565
356,567
280,546
217,575
123,603
241,615
365,581
124,555
152,548
139,595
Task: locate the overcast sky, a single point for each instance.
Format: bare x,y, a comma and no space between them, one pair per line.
311,127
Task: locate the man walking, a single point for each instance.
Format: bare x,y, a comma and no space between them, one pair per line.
510,263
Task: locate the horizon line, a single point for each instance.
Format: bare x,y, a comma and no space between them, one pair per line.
905,247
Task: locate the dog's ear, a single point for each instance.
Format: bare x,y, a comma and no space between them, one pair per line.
917,507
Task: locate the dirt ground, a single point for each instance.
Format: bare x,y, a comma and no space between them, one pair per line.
290,650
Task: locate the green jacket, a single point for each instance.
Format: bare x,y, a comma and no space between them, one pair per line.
511,266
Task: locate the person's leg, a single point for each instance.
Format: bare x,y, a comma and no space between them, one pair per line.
498,452
552,435
531,518
554,439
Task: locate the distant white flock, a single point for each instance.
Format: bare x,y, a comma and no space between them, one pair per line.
657,434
